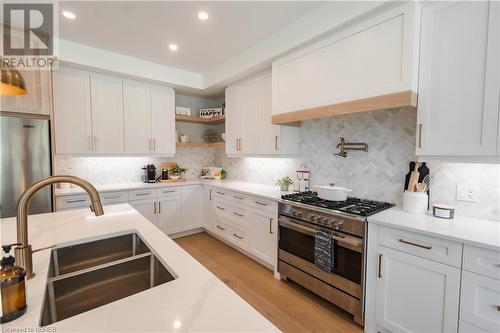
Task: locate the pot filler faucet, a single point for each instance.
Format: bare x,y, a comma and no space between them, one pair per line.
23,251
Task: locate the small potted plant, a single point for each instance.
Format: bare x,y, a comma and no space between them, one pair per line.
177,172
284,183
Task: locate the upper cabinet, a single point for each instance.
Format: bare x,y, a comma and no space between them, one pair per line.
149,113
102,114
369,66
459,83
249,128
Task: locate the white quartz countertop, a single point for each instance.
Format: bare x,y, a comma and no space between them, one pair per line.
265,191
483,233
196,301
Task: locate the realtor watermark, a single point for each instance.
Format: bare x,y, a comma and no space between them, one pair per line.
26,329
28,30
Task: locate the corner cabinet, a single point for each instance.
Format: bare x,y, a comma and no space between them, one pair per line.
249,128
459,79
106,115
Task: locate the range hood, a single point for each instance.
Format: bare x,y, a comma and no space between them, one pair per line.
406,98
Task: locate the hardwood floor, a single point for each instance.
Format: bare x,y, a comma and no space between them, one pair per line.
288,306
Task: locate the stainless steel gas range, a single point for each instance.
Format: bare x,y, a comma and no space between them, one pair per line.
301,217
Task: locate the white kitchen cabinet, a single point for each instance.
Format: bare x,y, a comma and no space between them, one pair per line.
137,117
459,81
191,197
163,120
480,301
208,216
249,128
415,294
149,118
169,215
146,208
107,114
375,57
262,240
72,111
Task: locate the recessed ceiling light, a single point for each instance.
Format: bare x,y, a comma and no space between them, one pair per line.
69,15
203,16
173,47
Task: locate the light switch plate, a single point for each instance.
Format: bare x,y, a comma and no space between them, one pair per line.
468,193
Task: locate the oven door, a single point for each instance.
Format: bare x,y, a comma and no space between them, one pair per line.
296,247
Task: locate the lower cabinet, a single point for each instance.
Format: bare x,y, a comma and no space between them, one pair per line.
208,216
191,197
146,208
415,294
262,235
168,217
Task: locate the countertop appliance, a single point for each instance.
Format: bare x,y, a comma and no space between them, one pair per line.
301,216
25,154
149,175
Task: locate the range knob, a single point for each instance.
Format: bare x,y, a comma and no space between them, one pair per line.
314,217
324,220
296,213
338,223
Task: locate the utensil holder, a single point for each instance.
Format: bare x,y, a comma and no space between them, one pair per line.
415,202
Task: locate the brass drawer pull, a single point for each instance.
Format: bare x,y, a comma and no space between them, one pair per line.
159,207
420,135
271,225
221,208
221,193
74,201
427,247
113,197
141,194
380,266
237,236
238,214
171,191
236,197
260,203
154,207
221,228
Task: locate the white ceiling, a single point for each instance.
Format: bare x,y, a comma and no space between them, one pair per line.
144,29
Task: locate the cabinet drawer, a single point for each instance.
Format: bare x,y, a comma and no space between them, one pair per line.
482,261
231,196
432,248
168,192
72,202
264,204
220,228
109,198
232,213
141,194
480,301
237,236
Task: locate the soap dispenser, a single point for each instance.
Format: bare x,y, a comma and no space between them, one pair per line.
12,286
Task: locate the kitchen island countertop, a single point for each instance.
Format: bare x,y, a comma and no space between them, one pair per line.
196,301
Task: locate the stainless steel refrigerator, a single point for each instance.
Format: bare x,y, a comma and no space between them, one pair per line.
25,158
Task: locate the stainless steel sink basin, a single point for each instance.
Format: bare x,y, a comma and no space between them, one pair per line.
85,276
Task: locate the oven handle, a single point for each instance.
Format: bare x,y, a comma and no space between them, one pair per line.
284,222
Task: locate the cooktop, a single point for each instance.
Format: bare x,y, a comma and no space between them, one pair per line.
355,206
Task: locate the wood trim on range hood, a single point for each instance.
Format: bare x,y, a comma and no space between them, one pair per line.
394,100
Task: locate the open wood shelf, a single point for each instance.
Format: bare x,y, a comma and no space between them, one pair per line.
198,120
201,144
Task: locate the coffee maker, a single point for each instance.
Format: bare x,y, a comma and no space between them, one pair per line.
149,175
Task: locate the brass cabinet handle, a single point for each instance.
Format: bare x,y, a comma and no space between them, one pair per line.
380,266
112,197
154,207
141,194
77,200
170,191
238,214
276,139
420,135
236,197
260,203
159,207
237,236
210,194
221,193
271,225
427,247
221,228
221,208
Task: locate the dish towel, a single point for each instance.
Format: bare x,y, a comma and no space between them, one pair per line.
324,251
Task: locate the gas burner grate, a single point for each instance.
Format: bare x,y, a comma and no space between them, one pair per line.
351,205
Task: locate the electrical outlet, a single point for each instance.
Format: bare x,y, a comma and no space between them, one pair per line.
468,193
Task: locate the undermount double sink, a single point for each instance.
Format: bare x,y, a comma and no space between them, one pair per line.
88,275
